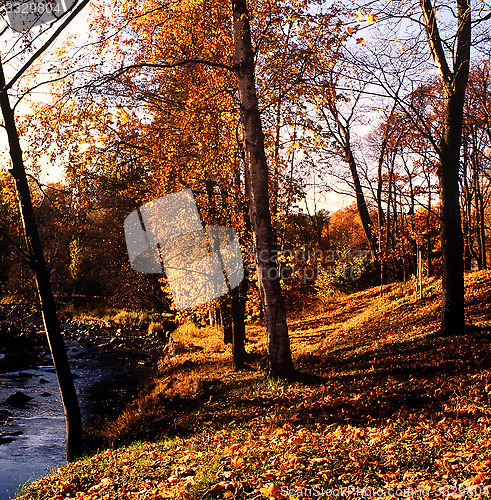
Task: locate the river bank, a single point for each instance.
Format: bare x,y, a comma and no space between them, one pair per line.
109,367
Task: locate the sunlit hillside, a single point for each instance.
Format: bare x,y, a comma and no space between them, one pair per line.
393,406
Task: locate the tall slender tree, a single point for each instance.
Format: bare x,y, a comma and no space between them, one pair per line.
35,251
280,362
454,83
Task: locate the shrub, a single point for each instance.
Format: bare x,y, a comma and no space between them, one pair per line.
346,277
133,320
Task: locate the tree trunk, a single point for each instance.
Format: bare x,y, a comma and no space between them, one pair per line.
482,229
452,313
279,359
41,273
239,299
360,198
428,234
227,320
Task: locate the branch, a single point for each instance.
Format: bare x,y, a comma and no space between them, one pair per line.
124,70
51,39
45,194
435,41
4,234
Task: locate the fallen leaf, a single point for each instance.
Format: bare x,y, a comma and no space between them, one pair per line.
271,491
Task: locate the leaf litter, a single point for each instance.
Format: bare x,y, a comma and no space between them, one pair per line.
395,410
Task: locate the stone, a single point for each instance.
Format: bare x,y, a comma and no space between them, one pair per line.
18,398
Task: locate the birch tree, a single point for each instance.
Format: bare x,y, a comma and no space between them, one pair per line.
280,362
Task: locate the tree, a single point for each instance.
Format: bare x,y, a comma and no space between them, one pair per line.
207,58
475,178
340,126
454,83
280,362
183,79
36,256
435,36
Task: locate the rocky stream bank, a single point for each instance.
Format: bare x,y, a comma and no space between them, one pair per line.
109,366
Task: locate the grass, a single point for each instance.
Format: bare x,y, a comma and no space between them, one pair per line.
396,406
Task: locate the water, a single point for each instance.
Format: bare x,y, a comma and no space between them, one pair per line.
42,444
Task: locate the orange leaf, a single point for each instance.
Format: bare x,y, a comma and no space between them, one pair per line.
271,491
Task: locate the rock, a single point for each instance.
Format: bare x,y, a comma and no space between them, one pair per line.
43,381
17,399
45,394
5,439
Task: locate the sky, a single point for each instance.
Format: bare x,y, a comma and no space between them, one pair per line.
78,27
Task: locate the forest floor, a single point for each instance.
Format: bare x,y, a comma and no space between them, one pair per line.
395,411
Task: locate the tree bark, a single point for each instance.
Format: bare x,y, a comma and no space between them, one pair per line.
43,283
239,299
279,359
452,313
227,320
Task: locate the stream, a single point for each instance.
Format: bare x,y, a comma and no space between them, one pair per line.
32,424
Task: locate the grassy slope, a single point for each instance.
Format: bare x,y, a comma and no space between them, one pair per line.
397,407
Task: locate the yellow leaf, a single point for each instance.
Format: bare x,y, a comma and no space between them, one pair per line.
228,494
237,462
372,18
271,491
359,16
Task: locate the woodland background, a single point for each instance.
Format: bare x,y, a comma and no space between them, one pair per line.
350,103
